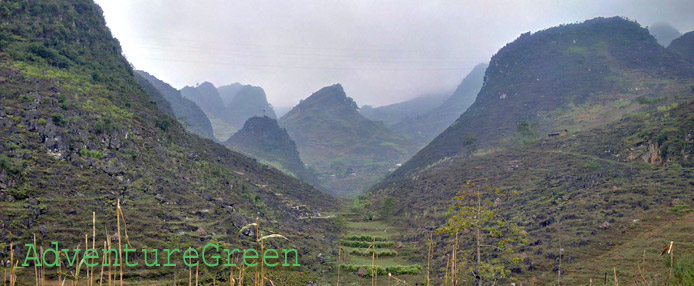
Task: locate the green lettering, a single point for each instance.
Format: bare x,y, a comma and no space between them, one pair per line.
55,253
274,256
89,257
156,257
36,259
108,258
296,257
168,256
246,256
229,254
128,250
215,257
191,256
71,262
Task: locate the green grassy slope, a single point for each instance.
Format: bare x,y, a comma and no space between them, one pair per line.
77,133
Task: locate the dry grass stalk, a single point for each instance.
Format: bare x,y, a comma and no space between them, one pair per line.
36,270
455,261
197,274
120,239
86,247
110,268
431,244
41,277
339,250
93,245
448,262
616,281
101,275
373,263
11,263
390,276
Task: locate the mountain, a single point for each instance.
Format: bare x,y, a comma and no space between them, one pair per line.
263,139
207,97
78,134
610,196
664,33
248,102
348,151
184,110
393,113
604,187
228,92
684,45
424,127
574,77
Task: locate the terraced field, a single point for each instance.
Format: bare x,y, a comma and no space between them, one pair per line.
394,256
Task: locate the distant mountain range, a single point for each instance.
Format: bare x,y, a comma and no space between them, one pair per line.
228,107
396,112
347,151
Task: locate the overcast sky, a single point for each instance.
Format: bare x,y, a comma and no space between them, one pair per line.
381,51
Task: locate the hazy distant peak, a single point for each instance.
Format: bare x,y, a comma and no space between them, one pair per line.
329,97
664,33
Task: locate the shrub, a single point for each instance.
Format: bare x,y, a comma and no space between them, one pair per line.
84,152
369,252
364,244
684,270
58,119
363,238
395,269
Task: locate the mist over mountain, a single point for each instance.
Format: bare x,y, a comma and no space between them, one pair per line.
424,127
347,151
393,113
282,110
664,33
568,77
184,110
263,139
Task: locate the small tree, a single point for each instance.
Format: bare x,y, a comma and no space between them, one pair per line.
477,222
